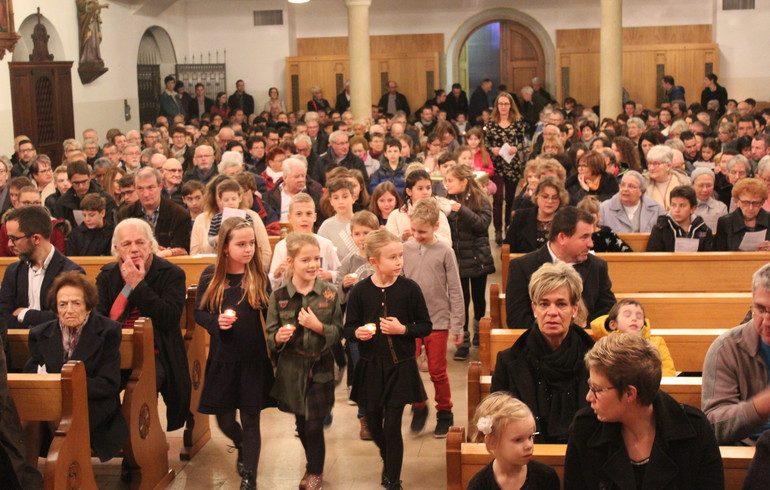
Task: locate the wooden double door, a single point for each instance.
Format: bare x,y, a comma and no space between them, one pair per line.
521,56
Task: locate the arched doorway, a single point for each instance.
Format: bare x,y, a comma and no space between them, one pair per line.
156,59
522,47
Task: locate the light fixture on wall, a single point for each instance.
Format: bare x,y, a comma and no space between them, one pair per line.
299,1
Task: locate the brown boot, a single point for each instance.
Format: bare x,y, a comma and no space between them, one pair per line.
365,435
315,482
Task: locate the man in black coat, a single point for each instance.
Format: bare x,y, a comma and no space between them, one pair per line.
170,221
456,102
393,101
80,178
199,104
141,284
23,301
570,242
339,155
241,100
479,101
343,99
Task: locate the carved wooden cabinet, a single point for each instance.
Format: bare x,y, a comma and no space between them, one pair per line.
41,97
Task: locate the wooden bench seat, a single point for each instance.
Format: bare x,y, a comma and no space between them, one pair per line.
657,272
61,399
146,451
197,431
464,460
637,241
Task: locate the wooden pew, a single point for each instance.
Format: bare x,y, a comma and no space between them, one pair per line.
637,241
665,310
688,346
464,459
657,272
197,431
60,398
146,451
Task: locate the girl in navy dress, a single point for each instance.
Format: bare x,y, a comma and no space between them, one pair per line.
239,375
386,313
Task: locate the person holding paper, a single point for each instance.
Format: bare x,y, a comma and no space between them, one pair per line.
169,221
748,227
680,230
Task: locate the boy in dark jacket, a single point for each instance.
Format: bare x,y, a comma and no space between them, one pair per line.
392,167
92,237
680,230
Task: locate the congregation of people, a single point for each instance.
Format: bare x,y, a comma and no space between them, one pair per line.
386,226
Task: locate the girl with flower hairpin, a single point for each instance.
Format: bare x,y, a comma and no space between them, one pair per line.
507,427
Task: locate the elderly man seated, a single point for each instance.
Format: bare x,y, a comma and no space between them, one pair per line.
736,392
630,210
661,176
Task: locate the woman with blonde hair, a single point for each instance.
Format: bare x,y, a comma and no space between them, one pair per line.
506,129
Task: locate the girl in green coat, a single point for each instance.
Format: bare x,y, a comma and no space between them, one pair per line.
304,321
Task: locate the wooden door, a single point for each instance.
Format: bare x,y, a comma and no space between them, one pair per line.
41,98
521,56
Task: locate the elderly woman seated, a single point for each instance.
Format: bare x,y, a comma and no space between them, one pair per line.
592,178
709,208
634,435
630,210
81,334
530,227
661,177
733,229
737,168
544,368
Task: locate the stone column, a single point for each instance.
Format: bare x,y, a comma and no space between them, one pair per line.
611,58
360,58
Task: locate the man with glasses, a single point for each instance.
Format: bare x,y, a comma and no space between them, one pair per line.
131,158
26,152
23,302
172,180
339,155
204,169
168,220
28,195
79,175
736,389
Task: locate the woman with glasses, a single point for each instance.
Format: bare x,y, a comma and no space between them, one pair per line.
505,140
661,176
592,178
736,231
529,227
544,367
634,435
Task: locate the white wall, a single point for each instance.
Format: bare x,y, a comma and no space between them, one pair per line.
98,104
255,54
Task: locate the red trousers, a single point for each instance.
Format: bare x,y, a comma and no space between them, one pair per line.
435,351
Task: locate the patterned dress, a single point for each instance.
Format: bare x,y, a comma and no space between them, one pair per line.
496,136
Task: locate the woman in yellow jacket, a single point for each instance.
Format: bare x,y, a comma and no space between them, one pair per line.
627,316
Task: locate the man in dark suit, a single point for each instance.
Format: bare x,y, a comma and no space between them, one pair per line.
343,99
570,242
241,100
141,284
199,104
479,101
456,102
23,301
170,221
92,339
392,101
339,155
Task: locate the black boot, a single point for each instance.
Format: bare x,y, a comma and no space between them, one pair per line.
249,481
239,462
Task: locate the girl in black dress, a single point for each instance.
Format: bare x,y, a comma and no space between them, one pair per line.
239,376
507,427
386,313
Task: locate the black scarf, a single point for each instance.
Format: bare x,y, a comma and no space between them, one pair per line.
556,375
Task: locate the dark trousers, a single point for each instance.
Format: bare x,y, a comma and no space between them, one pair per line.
506,191
474,288
385,427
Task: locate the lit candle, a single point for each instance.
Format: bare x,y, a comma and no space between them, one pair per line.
371,327
229,313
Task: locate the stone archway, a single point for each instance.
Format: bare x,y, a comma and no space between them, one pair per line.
155,59
24,46
496,15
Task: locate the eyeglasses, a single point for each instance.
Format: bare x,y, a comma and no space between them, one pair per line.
548,198
15,239
79,182
29,203
750,204
173,170
596,391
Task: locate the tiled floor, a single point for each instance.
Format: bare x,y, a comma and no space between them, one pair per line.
350,462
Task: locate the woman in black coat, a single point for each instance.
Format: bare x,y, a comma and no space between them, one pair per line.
634,435
96,344
529,227
750,194
545,368
592,179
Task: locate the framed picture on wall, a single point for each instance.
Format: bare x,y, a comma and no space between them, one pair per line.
8,36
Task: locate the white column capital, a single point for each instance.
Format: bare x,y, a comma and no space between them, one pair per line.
358,3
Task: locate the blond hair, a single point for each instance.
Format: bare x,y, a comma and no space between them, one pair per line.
300,197
295,242
365,218
376,240
499,408
552,276
425,211
626,360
